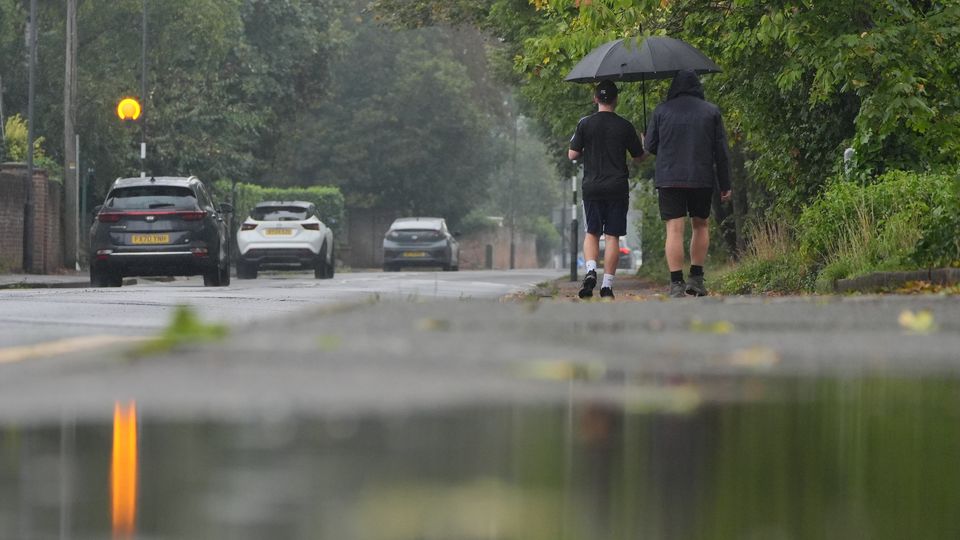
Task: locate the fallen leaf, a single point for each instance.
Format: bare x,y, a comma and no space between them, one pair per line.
921,322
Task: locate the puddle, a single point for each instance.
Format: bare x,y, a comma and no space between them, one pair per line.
774,459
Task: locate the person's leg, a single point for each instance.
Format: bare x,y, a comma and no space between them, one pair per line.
591,247
700,202
674,244
611,257
699,241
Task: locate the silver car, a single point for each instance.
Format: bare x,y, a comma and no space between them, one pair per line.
420,241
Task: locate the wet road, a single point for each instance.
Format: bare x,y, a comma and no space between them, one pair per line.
32,316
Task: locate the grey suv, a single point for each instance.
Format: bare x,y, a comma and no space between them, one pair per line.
161,226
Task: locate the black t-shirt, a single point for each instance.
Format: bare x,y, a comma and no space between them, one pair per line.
604,138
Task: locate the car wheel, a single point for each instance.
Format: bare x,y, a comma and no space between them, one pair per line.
114,279
329,267
225,275
246,270
96,277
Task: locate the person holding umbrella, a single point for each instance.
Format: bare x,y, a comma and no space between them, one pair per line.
603,140
687,135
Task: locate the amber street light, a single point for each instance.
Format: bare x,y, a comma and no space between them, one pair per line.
128,109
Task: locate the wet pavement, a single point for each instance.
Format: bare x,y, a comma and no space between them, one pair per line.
816,417
779,458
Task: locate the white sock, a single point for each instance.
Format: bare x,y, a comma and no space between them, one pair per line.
607,281
591,266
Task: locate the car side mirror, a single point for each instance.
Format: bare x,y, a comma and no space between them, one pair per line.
226,208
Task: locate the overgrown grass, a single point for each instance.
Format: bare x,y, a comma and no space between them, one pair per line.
771,264
901,222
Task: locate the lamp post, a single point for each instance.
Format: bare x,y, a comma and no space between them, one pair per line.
143,92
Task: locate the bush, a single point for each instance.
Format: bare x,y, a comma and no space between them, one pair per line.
940,245
328,199
881,223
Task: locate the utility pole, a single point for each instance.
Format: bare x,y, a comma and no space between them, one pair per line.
513,189
143,94
28,227
71,169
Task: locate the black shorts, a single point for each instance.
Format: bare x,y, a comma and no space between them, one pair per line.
682,202
606,217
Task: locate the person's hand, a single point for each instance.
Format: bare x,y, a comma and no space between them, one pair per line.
726,195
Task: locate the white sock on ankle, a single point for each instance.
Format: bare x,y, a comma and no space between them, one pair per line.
607,281
591,266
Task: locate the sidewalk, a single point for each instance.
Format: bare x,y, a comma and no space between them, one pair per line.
67,280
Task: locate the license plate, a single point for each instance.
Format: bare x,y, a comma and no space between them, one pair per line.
414,254
278,232
150,238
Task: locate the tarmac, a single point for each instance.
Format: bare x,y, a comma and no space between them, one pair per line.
626,287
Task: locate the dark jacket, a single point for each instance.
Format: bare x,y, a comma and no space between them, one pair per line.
688,138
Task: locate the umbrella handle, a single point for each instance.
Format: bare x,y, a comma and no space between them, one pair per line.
643,83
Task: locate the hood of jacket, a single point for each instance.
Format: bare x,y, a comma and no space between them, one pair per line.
686,82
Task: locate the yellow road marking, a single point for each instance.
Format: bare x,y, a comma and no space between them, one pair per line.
63,346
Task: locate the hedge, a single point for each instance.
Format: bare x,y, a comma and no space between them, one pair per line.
328,199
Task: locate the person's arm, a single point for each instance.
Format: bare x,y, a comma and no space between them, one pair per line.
721,157
576,143
635,146
652,137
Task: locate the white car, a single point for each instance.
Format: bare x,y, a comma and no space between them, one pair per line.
285,235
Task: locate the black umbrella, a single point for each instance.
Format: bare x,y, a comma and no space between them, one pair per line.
627,60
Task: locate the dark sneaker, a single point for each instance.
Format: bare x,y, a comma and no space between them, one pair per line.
606,292
678,289
696,287
589,283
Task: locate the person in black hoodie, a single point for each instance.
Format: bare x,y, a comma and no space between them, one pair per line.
603,140
687,135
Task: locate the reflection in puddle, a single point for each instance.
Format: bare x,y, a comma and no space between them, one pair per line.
123,471
755,458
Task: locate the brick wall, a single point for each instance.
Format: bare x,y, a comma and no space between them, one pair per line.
47,256
473,249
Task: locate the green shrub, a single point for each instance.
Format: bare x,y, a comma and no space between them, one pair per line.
854,229
940,245
328,199
548,238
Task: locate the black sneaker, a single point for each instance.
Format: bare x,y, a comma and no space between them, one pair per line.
678,289
606,292
696,287
589,282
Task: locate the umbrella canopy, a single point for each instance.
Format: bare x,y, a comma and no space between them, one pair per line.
657,57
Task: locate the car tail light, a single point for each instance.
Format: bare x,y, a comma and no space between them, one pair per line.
311,226
192,216
109,217
103,254
625,250
200,252
248,226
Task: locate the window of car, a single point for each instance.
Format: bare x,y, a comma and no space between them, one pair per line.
280,213
151,198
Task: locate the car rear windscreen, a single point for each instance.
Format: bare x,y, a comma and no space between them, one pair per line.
279,213
151,198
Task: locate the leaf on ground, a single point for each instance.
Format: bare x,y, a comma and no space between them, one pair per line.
714,327
920,322
754,357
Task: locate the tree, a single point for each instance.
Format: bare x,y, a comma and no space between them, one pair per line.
398,127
